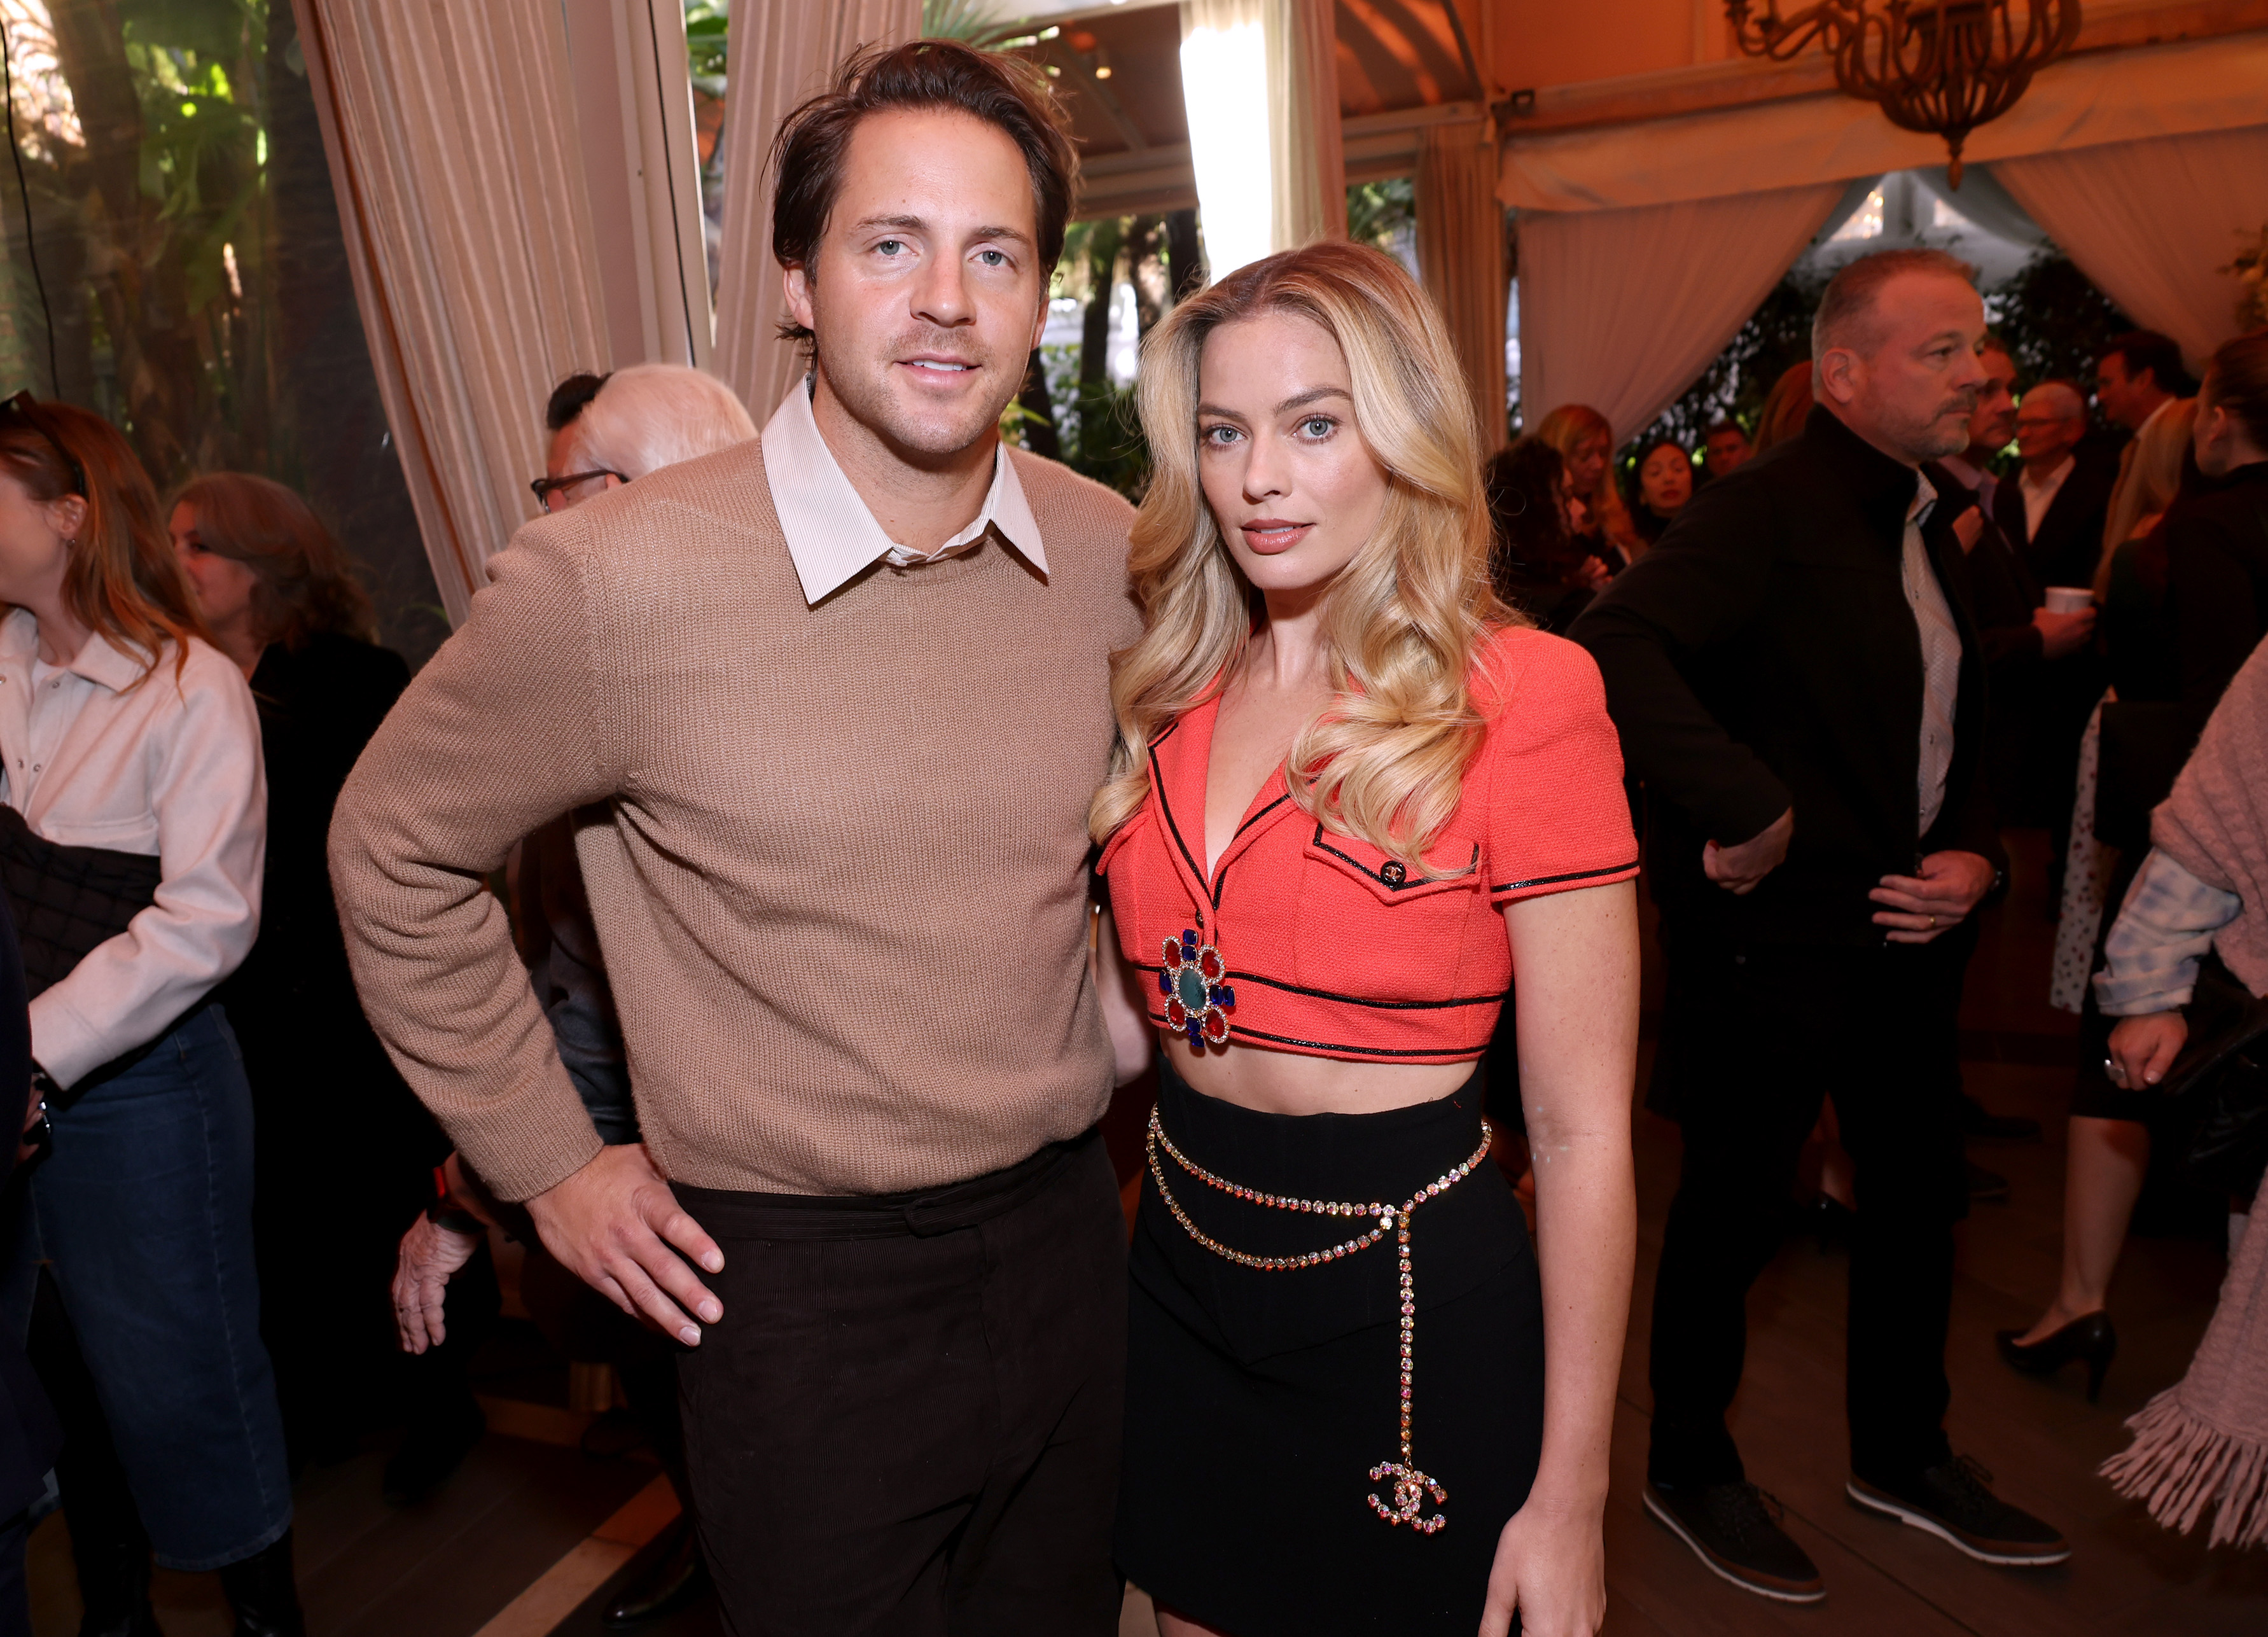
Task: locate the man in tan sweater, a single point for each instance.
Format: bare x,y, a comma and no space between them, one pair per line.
844,693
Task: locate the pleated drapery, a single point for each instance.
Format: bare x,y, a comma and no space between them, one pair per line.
1621,309
452,136
1460,257
1271,168
2153,223
783,53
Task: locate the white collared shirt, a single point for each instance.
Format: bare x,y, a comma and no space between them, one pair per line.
833,536
169,769
1940,660
2040,495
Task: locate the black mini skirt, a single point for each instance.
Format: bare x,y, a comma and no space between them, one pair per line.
1258,1401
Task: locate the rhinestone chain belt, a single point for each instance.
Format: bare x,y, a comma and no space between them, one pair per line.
1410,1485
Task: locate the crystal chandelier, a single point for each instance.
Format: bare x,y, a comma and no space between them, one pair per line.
1945,66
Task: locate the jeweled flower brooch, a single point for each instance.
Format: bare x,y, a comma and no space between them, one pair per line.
1194,982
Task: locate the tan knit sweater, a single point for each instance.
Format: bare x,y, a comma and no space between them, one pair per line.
841,893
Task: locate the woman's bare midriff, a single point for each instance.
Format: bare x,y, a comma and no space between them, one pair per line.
1284,1082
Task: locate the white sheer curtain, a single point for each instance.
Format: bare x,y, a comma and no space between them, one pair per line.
2152,223
1621,309
1270,168
1460,257
451,137
783,52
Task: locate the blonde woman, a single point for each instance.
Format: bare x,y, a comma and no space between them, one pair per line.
1353,795
2148,483
1586,443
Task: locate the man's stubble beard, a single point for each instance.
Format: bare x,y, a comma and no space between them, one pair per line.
871,404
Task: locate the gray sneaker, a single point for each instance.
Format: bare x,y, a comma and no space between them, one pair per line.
1734,1529
1953,1503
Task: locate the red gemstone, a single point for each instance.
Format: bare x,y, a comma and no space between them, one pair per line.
1216,1027
1209,963
1177,1016
1172,954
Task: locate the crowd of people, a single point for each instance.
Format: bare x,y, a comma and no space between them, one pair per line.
1274,789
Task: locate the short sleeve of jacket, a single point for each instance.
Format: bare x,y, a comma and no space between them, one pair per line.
1551,767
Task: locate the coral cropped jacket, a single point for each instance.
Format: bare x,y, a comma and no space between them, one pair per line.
1324,945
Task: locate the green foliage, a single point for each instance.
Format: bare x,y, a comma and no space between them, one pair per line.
1377,213
973,22
704,44
2053,319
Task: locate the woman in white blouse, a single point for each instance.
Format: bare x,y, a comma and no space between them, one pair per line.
130,845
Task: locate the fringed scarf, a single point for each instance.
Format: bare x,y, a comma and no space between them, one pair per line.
2204,1443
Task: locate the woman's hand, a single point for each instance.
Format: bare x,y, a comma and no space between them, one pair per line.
1551,1566
2144,1047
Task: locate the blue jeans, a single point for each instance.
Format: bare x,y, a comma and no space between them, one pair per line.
143,1215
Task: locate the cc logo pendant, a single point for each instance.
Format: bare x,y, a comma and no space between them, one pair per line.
1410,1488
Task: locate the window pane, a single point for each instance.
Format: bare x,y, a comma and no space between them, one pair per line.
195,285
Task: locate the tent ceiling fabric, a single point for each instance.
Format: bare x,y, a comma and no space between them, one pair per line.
2103,97
1398,64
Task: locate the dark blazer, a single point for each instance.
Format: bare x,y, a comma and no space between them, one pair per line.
2071,530
2217,570
2002,595
1763,656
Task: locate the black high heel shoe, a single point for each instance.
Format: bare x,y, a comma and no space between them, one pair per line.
2091,1337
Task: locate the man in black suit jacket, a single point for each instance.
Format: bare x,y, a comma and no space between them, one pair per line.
2053,510
1798,680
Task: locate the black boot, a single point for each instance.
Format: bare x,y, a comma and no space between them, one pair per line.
114,1586
261,1589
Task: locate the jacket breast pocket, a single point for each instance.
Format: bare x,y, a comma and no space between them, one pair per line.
1378,927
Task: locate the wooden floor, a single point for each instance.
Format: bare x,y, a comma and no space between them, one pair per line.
525,1505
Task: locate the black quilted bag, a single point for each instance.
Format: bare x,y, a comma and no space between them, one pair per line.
67,900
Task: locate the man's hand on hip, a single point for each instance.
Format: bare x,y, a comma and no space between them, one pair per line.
615,1225
1738,868
1922,907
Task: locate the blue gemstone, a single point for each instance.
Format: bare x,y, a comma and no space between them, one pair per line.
1196,1035
1224,996
1164,982
1188,938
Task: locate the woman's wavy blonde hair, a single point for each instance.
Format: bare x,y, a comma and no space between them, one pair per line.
1386,763
2146,487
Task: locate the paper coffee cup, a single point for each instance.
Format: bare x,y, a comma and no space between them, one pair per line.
2069,598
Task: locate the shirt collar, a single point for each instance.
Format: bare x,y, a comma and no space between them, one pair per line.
1883,487
1925,497
832,536
2053,481
98,660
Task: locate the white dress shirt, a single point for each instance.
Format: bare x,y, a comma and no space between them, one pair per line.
1940,660
97,755
2040,495
832,535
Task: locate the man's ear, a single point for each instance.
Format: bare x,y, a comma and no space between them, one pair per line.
795,285
1039,323
1839,373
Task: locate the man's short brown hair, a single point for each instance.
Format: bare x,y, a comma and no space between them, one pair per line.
1006,92
1847,306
